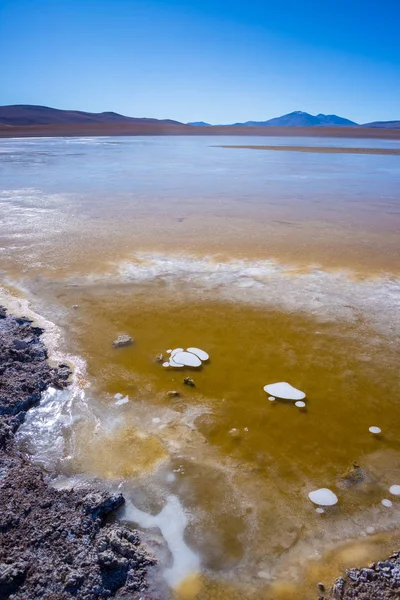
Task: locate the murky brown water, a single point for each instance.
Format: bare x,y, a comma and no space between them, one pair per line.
283,269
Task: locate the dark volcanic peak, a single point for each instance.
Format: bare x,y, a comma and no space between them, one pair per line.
26,114
303,119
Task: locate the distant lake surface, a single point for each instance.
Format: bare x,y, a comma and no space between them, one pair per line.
282,266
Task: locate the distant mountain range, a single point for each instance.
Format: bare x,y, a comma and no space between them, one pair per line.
26,114
303,119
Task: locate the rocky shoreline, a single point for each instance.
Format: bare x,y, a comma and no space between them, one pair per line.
54,545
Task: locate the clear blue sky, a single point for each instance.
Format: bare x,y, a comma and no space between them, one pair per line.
219,61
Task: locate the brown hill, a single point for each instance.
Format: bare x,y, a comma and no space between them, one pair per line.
26,114
383,124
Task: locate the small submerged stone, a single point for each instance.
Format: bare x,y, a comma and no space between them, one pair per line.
188,381
387,503
375,430
123,340
159,358
323,497
284,390
173,394
395,490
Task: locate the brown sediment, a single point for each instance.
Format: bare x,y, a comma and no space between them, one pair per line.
322,149
110,129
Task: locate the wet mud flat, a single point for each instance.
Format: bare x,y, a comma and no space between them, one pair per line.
54,544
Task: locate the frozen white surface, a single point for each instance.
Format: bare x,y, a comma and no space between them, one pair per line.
200,353
174,363
173,352
186,358
395,490
172,522
375,430
121,401
284,390
323,497
332,295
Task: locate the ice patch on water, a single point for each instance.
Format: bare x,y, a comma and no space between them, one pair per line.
328,294
44,432
172,522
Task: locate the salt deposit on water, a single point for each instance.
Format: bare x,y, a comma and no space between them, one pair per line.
387,503
284,390
300,404
323,497
395,490
332,295
192,357
172,522
375,430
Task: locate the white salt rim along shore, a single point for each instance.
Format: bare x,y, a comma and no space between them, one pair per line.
284,390
395,490
375,430
323,497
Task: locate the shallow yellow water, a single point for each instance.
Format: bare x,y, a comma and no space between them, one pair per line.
246,465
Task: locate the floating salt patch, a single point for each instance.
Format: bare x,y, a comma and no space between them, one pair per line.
387,503
300,404
395,490
323,496
200,353
165,364
319,510
169,351
375,430
118,396
370,530
175,351
173,363
187,358
122,400
284,390
271,398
